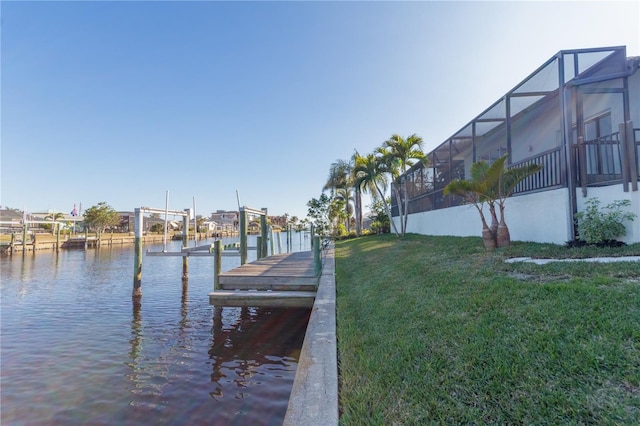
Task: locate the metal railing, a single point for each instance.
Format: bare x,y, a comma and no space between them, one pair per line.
550,176
601,159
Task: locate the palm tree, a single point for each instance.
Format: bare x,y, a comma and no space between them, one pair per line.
54,217
343,195
340,181
370,173
492,184
475,192
399,155
508,180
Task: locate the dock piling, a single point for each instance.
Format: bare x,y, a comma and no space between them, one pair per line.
185,243
264,232
217,265
243,235
317,262
137,262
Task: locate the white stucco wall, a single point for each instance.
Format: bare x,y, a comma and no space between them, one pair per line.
541,217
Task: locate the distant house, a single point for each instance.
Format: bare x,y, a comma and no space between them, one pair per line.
278,221
578,115
10,220
209,226
226,221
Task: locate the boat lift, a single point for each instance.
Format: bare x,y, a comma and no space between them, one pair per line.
215,250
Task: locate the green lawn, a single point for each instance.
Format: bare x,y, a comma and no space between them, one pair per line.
437,330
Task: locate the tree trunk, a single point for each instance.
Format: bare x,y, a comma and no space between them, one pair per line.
358,205
503,238
488,236
488,239
494,222
406,207
400,212
388,210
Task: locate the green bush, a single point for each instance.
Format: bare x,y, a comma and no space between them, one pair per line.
339,230
597,226
157,227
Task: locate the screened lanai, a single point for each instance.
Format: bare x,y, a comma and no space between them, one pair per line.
573,115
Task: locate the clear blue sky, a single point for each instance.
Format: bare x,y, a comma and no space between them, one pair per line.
121,101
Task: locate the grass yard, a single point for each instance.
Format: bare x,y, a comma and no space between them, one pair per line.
437,330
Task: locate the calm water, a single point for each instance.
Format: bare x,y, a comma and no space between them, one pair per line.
75,350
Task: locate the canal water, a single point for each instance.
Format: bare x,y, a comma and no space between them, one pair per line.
75,350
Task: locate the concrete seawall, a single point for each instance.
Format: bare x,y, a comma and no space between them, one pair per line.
314,396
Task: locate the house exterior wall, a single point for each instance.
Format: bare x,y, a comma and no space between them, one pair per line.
542,209
540,217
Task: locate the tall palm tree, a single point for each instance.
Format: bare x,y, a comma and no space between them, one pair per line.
345,197
400,154
357,199
371,177
339,173
341,179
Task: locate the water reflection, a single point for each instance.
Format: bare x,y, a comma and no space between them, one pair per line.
250,344
77,350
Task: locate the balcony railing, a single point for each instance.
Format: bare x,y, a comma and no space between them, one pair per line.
599,161
601,157
550,176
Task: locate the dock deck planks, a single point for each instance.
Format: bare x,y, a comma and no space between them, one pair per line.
279,280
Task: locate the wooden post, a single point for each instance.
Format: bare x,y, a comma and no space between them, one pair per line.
243,236
166,218
279,242
24,237
271,242
58,237
288,237
217,266
631,155
137,258
317,264
185,243
259,247
264,232
312,235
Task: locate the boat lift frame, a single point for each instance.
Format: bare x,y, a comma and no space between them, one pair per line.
214,249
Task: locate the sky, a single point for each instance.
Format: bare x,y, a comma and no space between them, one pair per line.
122,101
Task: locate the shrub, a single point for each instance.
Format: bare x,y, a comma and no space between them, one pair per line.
339,230
598,226
157,227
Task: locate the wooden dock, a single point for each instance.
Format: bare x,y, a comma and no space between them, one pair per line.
283,280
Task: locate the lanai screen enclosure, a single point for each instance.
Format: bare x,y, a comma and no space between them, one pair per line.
575,115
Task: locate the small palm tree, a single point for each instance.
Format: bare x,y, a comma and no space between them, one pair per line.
474,192
492,184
